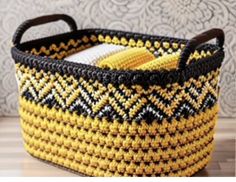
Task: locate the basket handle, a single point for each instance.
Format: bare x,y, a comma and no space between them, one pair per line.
204,37
42,20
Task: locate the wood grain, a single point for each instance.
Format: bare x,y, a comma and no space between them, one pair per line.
15,161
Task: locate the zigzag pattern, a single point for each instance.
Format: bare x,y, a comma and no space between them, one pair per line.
62,50
119,102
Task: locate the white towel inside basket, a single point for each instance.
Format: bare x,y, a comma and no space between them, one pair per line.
94,54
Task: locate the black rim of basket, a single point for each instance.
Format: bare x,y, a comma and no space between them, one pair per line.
116,77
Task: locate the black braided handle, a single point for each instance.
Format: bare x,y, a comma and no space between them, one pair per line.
204,37
42,20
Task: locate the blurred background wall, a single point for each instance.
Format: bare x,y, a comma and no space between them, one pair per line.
179,18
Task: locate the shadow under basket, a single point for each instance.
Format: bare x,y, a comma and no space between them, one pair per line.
117,122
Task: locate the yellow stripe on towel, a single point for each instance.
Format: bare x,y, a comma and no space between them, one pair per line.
127,59
166,62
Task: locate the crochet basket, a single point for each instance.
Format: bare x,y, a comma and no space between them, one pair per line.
117,122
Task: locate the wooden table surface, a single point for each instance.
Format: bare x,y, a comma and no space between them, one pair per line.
15,161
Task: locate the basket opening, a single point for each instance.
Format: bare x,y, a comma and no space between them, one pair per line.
165,52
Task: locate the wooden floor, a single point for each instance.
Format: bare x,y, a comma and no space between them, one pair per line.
15,161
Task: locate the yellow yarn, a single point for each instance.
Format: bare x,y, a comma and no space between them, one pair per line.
167,62
138,61
72,144
65,93
127,59
100,147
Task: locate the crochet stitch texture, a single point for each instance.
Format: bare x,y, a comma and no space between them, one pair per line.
157,119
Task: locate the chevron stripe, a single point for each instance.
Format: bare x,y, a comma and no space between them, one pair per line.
149,111
119,102
56,48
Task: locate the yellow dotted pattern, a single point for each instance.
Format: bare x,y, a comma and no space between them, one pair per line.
101,148
97,147
168,52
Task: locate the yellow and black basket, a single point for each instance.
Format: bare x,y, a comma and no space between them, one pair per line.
118,122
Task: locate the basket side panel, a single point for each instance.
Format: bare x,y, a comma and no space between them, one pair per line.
116,130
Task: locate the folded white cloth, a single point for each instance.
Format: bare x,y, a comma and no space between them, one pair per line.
94,54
